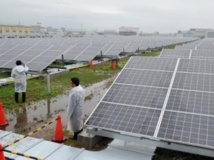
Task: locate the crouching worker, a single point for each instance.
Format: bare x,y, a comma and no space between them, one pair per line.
75,108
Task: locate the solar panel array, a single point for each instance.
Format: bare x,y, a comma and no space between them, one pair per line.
202,54
39,53
175,53
203,49
167,99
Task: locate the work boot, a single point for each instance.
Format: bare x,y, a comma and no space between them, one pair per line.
76,134
16,97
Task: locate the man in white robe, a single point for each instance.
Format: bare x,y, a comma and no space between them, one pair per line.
75,108
19,75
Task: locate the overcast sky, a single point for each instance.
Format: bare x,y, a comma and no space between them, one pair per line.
149,15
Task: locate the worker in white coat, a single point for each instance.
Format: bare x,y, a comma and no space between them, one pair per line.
75,108
19,75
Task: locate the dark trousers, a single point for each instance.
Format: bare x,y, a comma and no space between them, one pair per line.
17,97
76,134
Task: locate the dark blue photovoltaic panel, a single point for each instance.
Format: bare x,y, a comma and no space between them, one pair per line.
196,66
136,98
187,128
202,54
189,115
175,53
183,90
125,118
136,95
190,81
191,101
152,63
145,77
73,48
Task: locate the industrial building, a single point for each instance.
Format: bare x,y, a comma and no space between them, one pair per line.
197,32
128,31
21,31
74,33
10,31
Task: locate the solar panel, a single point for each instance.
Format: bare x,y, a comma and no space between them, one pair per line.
115,49
196,66
2,50
143,47
51,53
133,46
152,64
178,94
203,54
188,128
206,47
106,47
175,53
15,52
182,100
6,57
125,118
32,52
37,66
186,47
188,118
145,77
199,82
82,48
74,51
132,92
148,97
89,53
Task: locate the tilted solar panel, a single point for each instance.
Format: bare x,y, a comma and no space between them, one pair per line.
161,98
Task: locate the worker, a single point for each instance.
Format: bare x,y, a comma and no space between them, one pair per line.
19,75
75,108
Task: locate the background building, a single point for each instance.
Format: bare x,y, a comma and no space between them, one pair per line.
9,31
109,32
20,31
197,32
128,31
41,32
74,33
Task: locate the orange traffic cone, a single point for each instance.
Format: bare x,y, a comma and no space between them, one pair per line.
3,122
91,64
1,153
114,65
59,137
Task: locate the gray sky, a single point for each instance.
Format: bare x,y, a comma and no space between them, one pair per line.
149,15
